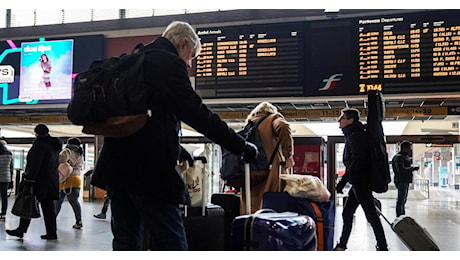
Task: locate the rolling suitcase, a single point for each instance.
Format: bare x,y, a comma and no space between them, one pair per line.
230,202
207,216
204,224
270,230
413,236
267,230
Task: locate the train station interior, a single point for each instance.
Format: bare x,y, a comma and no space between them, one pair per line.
420,106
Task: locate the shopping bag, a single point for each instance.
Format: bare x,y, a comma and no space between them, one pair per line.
26,204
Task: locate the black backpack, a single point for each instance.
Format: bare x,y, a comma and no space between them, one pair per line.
111,98
232,170
374,129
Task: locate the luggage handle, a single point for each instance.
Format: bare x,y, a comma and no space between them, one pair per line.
247,186
260,211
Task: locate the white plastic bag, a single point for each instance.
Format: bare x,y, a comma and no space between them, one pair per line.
306,186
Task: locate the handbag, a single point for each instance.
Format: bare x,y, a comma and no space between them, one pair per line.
65,169
26,203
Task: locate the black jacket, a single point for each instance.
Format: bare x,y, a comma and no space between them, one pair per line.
41,167
145,161
356,155
402,168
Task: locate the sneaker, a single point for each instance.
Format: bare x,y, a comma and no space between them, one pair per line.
100,216
15,233
2,217
78,225
339,248
49,237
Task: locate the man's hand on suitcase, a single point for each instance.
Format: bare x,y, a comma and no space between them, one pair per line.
250,152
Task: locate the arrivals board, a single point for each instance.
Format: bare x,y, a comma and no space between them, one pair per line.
252,60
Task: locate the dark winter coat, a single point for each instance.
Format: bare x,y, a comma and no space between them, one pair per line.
41,167
402,168
356,155
145,162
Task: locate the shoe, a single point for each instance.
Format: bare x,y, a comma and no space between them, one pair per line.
78,225
339,248
2,217
49,237
381,249
15,233
100,216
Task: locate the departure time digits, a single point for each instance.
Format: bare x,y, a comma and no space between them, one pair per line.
403,50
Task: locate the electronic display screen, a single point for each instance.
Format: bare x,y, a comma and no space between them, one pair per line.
413,52
23,79
251,61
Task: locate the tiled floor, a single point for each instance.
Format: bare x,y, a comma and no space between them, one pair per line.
440,215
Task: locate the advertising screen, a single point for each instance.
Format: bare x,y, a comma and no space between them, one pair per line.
41,71
46,70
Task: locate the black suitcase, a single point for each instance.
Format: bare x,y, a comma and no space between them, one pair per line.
204,227
230,202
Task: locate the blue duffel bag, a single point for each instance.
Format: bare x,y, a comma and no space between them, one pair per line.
322,213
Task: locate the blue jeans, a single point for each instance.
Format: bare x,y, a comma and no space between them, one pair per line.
72,197
131,212
403,190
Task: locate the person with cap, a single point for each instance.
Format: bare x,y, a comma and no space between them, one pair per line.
70,188
402,168
6,172
41,173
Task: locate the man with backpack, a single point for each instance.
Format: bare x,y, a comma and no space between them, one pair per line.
402,169
139,171
357,161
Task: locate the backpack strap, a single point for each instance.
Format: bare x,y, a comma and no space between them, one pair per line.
319,225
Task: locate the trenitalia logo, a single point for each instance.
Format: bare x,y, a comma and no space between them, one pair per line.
329,83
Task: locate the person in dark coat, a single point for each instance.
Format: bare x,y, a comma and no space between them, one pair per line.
41,173
139,171
356,158
403,169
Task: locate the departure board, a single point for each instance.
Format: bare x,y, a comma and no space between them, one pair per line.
251,61
417,52
410,53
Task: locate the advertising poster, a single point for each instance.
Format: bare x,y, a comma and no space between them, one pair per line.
46,70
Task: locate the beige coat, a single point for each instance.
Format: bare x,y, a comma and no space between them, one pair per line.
274,128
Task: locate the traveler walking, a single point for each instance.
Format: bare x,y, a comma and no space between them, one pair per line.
356,158
41,172
6,171
70,188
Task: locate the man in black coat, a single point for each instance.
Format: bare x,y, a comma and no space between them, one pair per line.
139,171
356,158
403,169
41,173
